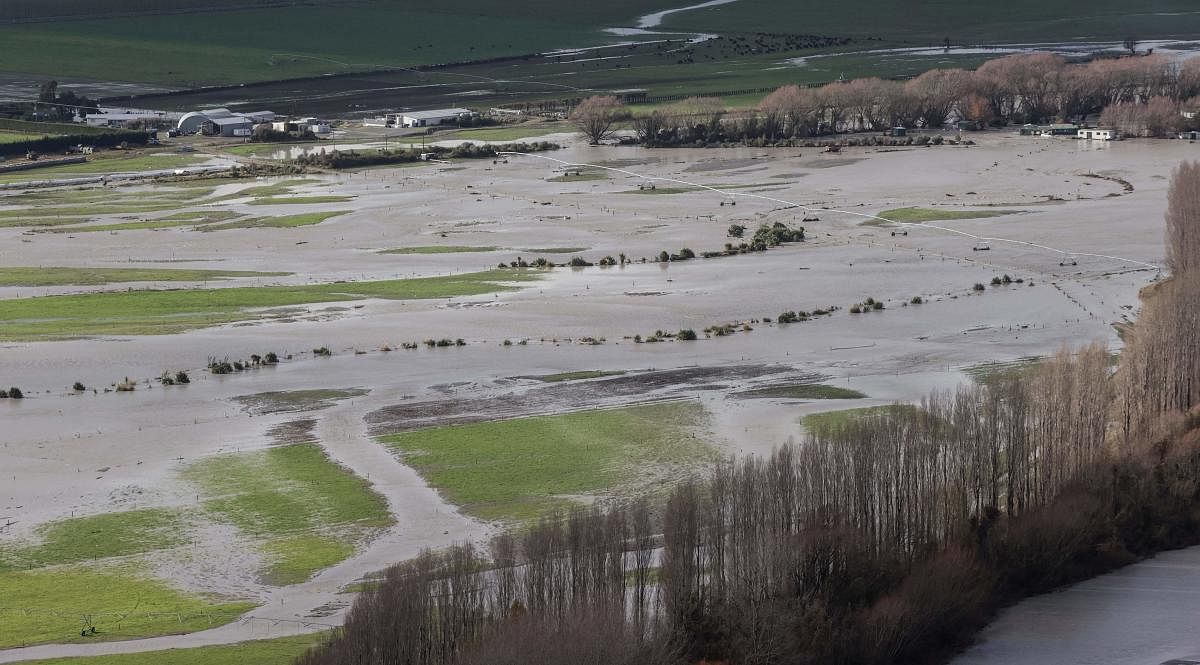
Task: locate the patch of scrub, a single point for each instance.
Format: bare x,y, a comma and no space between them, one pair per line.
78,539
170,221
279,222
828,420
288,401
120,602
64,276
278,651
160,312
553,250
438,249
801,391
305,511
520,469
580,176
576,376
663,190
987,374
917,215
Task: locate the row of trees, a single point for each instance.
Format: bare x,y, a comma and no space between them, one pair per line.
1140,95
879,539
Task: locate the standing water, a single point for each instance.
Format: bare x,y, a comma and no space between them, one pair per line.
1144,614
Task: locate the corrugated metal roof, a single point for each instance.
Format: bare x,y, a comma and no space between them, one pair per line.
436,113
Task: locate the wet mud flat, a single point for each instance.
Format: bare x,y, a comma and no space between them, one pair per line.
574,395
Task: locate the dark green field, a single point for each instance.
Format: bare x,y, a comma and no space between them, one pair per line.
253,43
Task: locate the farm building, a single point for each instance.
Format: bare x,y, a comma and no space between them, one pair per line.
221,122
1062,129
117,118
1097,134
232,126
432,118
314,125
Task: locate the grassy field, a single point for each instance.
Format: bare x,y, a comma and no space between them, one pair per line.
516,470
78,539
160,312
58,276
99,166
931,21
437,249
17,137
510,133
194,219
262,44
576,376
996,372
281,222
305,510
919,215
278,651
288,401
299,200
803,391
121,603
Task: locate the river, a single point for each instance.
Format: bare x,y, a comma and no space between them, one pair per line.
1144,614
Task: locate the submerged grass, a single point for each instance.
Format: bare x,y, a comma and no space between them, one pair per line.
297,558
60,276
160,312
576,376
519,469
300,200
834,419
802,391
438,249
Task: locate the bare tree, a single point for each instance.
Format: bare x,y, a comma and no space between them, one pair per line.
597,116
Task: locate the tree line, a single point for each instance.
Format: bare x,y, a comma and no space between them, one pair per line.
883,538
1139,95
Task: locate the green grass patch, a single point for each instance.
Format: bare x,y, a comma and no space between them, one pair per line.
281,222
576,376
298,558
124,164
170,221
802,391
274,189
438,249
918,215
289,401
17,137
306,511
277,651
520,469
510,133
60,276
160,312
299,200
288,490
100,536
121,603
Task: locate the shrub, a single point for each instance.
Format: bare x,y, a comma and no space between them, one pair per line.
979,287
3,394
79,387
788,317
856,309
508,342
15,393
271,359
1006,279
459,342
608,261
687,335
917,300
996,281
686,253
579,262
182,377
877,305
664,256
322,352
736,231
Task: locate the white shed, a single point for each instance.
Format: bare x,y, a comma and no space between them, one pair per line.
1097,134
432,118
